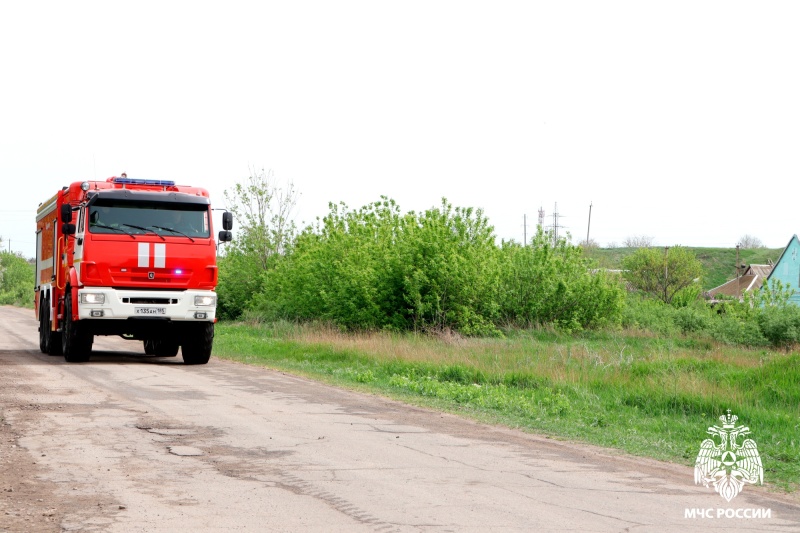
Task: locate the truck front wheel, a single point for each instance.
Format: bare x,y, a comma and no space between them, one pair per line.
75,342
197,342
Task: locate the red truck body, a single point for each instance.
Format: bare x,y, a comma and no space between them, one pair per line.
128,257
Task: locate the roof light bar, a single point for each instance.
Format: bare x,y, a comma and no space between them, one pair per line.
132,181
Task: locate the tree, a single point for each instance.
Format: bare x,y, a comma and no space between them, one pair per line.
638,241
263,211
264,232
661,273
748,242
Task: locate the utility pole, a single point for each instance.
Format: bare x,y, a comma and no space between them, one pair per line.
738,289
588,227
666,277
555,224
524,230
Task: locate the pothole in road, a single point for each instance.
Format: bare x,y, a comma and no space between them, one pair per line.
170,432
167,431
184,451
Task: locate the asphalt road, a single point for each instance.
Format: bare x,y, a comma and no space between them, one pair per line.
129,443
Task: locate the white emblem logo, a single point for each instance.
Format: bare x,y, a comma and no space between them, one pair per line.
728,466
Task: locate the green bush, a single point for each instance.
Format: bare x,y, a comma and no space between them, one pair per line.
647,314
375,268
734,330
687,296
547,283
780,325
240,278
16,280
692,319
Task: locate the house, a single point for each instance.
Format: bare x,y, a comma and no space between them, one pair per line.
787,269
751,280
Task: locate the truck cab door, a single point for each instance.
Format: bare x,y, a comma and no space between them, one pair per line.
80,232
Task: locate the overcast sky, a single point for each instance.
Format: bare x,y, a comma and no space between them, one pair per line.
675,120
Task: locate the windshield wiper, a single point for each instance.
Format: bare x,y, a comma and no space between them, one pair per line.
174,231
146,230
99,225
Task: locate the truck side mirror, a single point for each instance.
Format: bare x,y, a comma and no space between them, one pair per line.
225,236
68,229
227,221
66,213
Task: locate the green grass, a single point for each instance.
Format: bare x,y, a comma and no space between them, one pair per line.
719,264
641,394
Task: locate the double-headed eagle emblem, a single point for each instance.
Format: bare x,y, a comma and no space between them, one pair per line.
727,465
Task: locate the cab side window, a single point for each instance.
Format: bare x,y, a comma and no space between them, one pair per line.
81,218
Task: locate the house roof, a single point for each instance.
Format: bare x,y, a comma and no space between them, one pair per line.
788,244
751,280
760,270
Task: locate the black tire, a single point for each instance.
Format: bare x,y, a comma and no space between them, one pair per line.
75,342
166,348
44,326
49,341
161,348
197,343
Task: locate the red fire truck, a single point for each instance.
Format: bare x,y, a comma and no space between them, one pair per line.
128,257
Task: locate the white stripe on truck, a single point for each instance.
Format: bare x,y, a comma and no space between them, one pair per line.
144,254
160,255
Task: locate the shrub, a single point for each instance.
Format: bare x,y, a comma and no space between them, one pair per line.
553,283
780,325
733,330
16,280
375,268
650,315
692,319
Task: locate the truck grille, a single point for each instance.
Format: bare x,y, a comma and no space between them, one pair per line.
160,301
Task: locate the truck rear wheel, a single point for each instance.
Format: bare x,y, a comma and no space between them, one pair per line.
49,341
75,342
44,331
197,343
161,348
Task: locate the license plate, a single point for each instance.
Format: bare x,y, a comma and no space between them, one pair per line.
150,310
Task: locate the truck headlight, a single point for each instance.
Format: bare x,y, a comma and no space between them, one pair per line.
93,298
205,301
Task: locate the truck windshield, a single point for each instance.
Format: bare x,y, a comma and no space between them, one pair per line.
164,219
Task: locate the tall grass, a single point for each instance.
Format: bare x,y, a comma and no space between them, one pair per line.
639,392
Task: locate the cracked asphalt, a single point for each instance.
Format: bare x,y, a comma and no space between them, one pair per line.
129,443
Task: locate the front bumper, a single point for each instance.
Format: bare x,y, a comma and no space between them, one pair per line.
146,304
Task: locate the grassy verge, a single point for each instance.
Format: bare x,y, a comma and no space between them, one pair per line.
644,395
